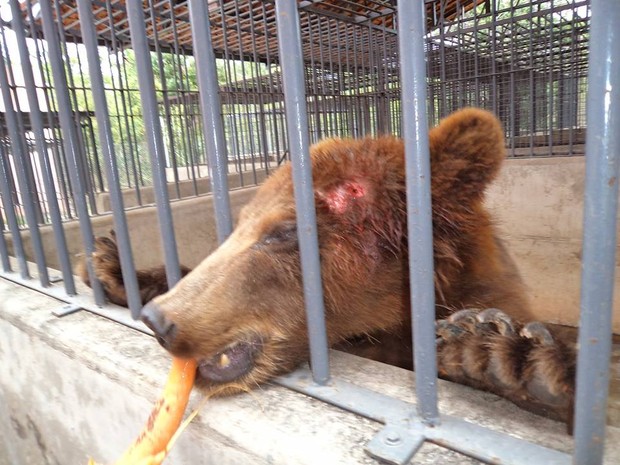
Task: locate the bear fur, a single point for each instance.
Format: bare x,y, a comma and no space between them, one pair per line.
241,311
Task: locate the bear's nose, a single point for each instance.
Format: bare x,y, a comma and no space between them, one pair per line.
154,318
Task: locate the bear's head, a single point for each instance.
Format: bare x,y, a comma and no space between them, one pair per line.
241,311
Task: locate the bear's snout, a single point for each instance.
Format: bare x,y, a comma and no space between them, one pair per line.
164,329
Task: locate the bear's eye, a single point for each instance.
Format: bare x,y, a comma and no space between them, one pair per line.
282,236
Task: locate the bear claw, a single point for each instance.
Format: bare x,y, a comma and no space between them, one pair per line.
537,332
463,316
445,330
502,321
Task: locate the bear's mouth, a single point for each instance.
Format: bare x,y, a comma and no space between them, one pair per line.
231,363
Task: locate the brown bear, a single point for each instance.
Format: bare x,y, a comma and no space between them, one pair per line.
241,311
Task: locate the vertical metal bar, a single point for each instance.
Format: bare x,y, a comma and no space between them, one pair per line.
50,102
4,251
338,94
599,241
146,83
21,158
28,179
330,86
347,101
91,164
442,60
457,82
182,116
166,99
261,140
6,193
240,87
324,90
550,94
289,42
70,141
244,79
531,104
571,99
317,132
415,135
130,127
211,109
494,58
190,105
262,129
383,87
71,88
514,128
476,58
177,56
232,106
117,112
272,96
36,120
89,38
359,128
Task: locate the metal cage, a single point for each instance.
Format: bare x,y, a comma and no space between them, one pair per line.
111,96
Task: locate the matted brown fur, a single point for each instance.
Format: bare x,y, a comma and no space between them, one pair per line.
246,298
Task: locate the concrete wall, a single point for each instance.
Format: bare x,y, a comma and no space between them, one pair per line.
538,204
82,386
194,226
181,190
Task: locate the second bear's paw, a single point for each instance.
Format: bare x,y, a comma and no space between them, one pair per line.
523,363
106,262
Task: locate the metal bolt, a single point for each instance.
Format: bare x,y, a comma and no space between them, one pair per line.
392,438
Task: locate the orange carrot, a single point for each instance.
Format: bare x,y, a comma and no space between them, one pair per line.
151,445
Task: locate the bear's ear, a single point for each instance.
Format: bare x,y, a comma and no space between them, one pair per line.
467,150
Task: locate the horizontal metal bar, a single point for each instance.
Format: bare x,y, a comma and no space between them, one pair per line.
452,432
85,301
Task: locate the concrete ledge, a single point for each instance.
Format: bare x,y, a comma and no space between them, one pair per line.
82,386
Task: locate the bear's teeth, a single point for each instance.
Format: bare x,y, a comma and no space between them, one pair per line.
224,361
